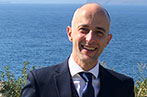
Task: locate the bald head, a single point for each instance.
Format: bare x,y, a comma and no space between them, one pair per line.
89,34
92,10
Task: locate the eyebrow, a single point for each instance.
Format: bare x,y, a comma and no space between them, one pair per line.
83,26
97,28
100,28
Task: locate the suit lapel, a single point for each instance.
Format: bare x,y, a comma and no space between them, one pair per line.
105,83
62,80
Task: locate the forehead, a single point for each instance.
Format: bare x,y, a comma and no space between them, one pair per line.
96,18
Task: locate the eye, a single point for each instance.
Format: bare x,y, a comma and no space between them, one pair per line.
84,30
99,33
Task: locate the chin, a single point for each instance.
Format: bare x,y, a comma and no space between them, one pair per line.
88,59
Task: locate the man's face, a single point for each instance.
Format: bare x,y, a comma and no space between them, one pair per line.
89,36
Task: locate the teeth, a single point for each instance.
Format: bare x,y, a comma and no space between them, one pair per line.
88,48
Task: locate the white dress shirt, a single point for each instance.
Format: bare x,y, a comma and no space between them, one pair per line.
78,81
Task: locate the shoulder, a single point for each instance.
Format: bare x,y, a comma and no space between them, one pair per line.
117,82
48,72
116,77
119,76
44,72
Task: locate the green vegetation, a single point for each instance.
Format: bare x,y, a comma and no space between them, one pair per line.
141,85
141,88
11,87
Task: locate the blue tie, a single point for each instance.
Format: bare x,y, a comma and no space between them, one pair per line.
88,90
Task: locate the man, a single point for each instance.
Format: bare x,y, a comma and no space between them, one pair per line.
81,75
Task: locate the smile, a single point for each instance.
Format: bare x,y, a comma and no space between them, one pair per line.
89,48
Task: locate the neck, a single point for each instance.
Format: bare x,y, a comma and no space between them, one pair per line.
84,64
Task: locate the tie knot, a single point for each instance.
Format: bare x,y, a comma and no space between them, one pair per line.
86,76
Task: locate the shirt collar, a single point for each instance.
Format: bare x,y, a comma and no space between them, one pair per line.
75,68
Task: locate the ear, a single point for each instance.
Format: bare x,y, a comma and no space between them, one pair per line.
69,32
109,38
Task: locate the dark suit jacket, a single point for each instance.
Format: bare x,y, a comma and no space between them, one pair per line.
54,81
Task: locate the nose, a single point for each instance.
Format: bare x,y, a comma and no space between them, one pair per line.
90,37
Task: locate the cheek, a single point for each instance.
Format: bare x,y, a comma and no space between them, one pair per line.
102,42
78,37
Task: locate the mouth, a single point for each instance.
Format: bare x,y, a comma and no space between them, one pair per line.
89,48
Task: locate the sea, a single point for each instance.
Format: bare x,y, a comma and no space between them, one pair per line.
36,33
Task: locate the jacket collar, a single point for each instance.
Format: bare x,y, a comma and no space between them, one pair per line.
106,80
62,80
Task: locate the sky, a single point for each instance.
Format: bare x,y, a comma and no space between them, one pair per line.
43,1
124,2
121,2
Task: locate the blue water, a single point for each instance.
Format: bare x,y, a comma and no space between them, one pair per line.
37,33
